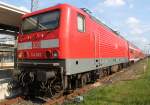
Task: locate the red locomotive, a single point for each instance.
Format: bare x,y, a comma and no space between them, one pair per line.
63,47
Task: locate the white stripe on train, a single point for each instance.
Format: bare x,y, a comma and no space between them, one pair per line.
51,43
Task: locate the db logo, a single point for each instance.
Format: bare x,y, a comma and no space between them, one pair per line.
36,45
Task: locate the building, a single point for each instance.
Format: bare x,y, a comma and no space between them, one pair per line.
10,20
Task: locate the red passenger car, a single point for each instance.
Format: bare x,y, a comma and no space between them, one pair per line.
62,46
135,54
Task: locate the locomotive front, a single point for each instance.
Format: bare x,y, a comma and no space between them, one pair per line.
38,53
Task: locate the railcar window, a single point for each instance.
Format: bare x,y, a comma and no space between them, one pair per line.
81,23
131,51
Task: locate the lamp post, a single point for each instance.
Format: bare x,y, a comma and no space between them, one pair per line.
147,46
148,49
32,5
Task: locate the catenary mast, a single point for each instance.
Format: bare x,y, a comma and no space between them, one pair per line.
34,5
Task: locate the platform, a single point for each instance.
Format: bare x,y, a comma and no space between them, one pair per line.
7,84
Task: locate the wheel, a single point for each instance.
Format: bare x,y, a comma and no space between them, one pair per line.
101,74
83,80
56,88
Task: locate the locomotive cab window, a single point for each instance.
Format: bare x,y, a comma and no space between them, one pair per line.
44,21
81,23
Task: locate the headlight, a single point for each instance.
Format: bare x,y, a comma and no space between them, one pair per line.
55,54
20,55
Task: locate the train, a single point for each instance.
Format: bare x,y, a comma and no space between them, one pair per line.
135,54
62,48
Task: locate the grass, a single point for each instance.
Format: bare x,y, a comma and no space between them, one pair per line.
135,92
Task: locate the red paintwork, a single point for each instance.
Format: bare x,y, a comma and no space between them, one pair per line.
35,37
97,42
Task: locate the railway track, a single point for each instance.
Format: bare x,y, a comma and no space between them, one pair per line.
11,101
118,76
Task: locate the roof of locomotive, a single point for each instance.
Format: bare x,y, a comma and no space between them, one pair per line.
58,6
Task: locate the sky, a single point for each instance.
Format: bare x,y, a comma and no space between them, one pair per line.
131,18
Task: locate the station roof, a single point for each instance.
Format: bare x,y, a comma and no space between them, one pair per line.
10,17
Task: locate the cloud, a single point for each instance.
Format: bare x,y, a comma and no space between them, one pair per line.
114,2
101,6
24,8
140,41
132,20
137,30
134,25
